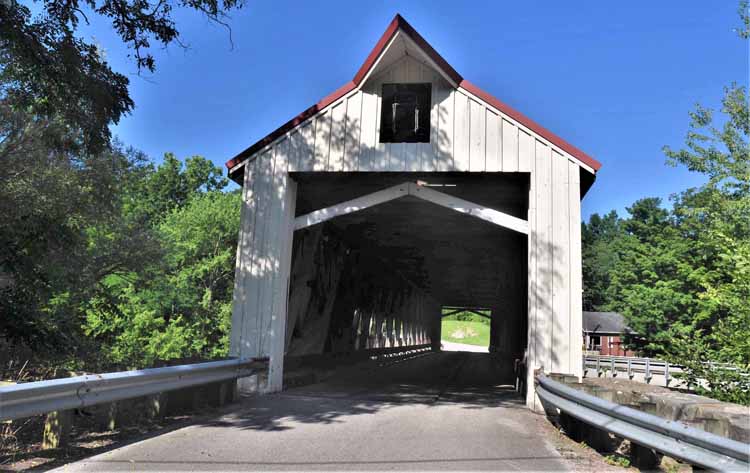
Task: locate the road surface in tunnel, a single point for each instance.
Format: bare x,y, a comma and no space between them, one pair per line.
438,411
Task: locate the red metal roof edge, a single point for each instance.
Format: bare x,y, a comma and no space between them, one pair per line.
397,23
532,125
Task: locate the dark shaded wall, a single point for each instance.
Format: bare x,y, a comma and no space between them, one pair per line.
509,325
342,300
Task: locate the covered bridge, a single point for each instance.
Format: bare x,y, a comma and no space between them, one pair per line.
407,190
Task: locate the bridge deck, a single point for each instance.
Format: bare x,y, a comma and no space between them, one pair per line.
446,411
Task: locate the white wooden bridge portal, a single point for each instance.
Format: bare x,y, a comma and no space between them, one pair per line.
407,190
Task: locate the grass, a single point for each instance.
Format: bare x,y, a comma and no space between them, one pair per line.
470,332
616,459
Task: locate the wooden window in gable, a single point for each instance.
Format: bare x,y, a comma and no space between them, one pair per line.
405,113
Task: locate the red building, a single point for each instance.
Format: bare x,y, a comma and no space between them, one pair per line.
602,332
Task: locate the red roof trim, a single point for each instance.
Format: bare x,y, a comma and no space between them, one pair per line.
397,23
532,125
434,55
280,131
378,49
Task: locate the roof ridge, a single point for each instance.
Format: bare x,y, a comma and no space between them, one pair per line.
399,23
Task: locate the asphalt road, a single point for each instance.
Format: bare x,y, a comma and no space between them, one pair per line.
446,411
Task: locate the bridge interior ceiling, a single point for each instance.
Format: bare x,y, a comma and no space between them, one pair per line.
456,259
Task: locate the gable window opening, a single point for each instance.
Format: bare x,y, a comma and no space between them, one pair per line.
405,113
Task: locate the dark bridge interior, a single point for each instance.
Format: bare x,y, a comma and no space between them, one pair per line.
377,278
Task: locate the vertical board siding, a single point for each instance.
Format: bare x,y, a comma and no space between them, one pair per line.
368,132
525,151
531,288
322,140
352,121
244,259
492,160
256,270
271,334
466,135
543,250
576,276
295,144
263,269
338,136
461,145
477,125
445,128
560,263
510,147
428,151
379,156
307,147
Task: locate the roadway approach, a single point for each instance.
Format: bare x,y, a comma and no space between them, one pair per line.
444,411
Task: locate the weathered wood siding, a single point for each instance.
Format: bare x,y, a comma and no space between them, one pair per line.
554,266
466,133
259,310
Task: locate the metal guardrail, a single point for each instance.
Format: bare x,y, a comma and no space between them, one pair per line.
630,365
39,397
648,366
671,438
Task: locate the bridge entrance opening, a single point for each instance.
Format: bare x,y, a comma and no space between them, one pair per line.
377,259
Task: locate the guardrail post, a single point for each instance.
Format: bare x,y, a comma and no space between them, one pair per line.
630,368
599,439
666,373
573,427
108,416
644,458
647,376
614,369
598,366
57,429
156,405
220,393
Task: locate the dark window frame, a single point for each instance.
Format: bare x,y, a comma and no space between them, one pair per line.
405,112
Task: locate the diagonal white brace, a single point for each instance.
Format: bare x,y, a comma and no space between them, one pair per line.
470,208
408,188
350,206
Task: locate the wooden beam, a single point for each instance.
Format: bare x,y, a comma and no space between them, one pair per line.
475,312
452,312
470,208
472,311
408,188
350,206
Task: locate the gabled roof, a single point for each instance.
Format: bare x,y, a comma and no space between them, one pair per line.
400,24
604,322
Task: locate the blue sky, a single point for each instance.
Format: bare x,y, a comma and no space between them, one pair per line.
616,79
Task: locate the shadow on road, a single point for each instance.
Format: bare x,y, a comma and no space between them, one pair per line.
467,380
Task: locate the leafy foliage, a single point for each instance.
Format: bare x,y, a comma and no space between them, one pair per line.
50,73
107,254
181,306
681,276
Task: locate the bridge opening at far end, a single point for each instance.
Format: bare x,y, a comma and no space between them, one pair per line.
465,329
386,261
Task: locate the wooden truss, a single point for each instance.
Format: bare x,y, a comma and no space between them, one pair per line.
421,192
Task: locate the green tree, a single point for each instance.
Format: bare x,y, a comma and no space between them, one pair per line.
171,185
716,218
62,233
52,74
681,276
597,237
181,306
